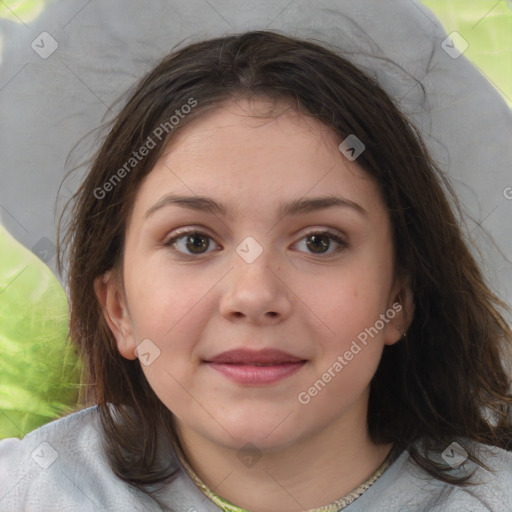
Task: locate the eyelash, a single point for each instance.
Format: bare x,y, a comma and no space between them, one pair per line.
342,245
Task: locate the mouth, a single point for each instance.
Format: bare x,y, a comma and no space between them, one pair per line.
256,368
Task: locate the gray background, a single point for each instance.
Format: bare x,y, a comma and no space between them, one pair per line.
48,102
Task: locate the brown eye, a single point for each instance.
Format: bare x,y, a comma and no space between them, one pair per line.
318,243
191,242
321,242
197,244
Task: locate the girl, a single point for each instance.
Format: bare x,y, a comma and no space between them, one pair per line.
275,303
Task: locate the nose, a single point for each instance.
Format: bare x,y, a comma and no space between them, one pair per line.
256,292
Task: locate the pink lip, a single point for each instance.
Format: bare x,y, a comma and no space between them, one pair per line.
257,375
246,366
245,356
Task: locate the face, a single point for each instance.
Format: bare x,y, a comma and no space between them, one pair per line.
262,309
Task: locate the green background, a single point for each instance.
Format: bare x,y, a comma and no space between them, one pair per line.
486,25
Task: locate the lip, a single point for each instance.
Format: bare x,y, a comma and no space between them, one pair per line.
256,367
246,356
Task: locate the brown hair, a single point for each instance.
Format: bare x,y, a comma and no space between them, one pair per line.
436,385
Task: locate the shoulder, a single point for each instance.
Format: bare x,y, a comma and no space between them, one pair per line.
62,465
43,446
490,489
405,487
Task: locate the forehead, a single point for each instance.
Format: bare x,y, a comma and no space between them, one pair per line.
258,151
256,123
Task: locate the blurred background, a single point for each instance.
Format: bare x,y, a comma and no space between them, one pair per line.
51,96
487,26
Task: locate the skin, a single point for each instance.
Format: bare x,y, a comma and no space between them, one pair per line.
312,305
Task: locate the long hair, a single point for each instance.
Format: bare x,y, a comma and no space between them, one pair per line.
442,382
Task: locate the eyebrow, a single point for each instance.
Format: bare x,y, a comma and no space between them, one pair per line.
293,208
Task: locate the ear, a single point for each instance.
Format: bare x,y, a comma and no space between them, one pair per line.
110,295
400,312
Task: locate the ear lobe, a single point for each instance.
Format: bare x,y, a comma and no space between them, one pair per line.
403,307
111,298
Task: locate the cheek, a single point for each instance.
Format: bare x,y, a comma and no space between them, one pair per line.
167,301
349,347
349,300
175,325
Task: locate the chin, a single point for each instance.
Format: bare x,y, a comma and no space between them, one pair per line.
270,434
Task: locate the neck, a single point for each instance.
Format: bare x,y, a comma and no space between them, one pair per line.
333,462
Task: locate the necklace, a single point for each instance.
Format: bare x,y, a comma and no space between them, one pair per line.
336,506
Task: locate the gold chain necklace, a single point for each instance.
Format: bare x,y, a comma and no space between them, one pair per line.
336,506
